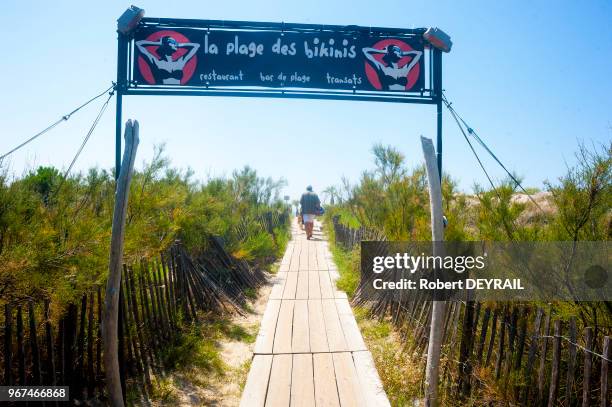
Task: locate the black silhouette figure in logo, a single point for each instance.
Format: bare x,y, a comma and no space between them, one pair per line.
166,69
392,76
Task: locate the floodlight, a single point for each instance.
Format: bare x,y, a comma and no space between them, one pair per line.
439,39
129,19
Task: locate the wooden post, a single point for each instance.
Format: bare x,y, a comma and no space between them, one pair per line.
147,321
492,338
533,347
34,350
588,364
604,372
542,369
51,375
99,333
60,350
511,340
438,308
501,349
121,345
20,347
113,285
483,335
169,308
8,345
69,342
520,347
90,340
522,337
139,333
571,363
81,349
465,349
556,361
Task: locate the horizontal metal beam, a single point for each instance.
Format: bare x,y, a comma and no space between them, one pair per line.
255,25
279,94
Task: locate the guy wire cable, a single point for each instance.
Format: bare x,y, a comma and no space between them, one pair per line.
62,119
482,143
473,150
85,140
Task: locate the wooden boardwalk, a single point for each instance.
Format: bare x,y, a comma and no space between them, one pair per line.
309,351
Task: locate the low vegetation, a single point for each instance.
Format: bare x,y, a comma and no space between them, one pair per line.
55,242
393,201
55,232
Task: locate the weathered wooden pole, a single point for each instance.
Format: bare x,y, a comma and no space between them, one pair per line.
438,307
113,284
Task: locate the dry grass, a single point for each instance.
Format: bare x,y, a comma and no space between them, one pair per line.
212,362
400,372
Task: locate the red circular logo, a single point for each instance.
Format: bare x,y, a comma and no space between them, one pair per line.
374,75
144,65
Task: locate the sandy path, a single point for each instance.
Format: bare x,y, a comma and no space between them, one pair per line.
194,388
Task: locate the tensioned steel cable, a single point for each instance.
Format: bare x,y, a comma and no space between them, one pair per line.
472,132
62,119
452,111
85,140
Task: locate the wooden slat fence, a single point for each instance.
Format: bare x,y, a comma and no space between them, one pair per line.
48,345
535,357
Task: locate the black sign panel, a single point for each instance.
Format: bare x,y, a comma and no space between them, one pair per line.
187,57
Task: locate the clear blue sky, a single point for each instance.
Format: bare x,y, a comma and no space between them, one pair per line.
533,77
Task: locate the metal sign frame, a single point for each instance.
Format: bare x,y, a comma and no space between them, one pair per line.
126,86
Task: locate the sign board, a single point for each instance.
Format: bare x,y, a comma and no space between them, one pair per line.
327,60
199,56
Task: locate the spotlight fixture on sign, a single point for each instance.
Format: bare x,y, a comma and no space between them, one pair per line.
129,19
439,39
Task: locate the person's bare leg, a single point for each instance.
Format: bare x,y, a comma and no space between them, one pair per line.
309,226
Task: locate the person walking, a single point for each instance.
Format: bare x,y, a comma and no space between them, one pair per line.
310,204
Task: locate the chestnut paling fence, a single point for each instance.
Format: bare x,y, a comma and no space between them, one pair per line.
529,354
43,345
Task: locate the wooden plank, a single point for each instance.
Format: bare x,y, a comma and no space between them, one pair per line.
326,394
255,389
265,337
278,287
300,342
304,255
314,286
290,286
312,255
8,344
321,256
302,286
373,392
588,363
349,388
353,337
327,290
335,336
309,351
542,369
295,257
302,381
284,266
284,328
340,295
604,372
556,364
571,363
316,327
279,387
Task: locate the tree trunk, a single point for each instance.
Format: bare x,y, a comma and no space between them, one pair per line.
439,307
113,284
